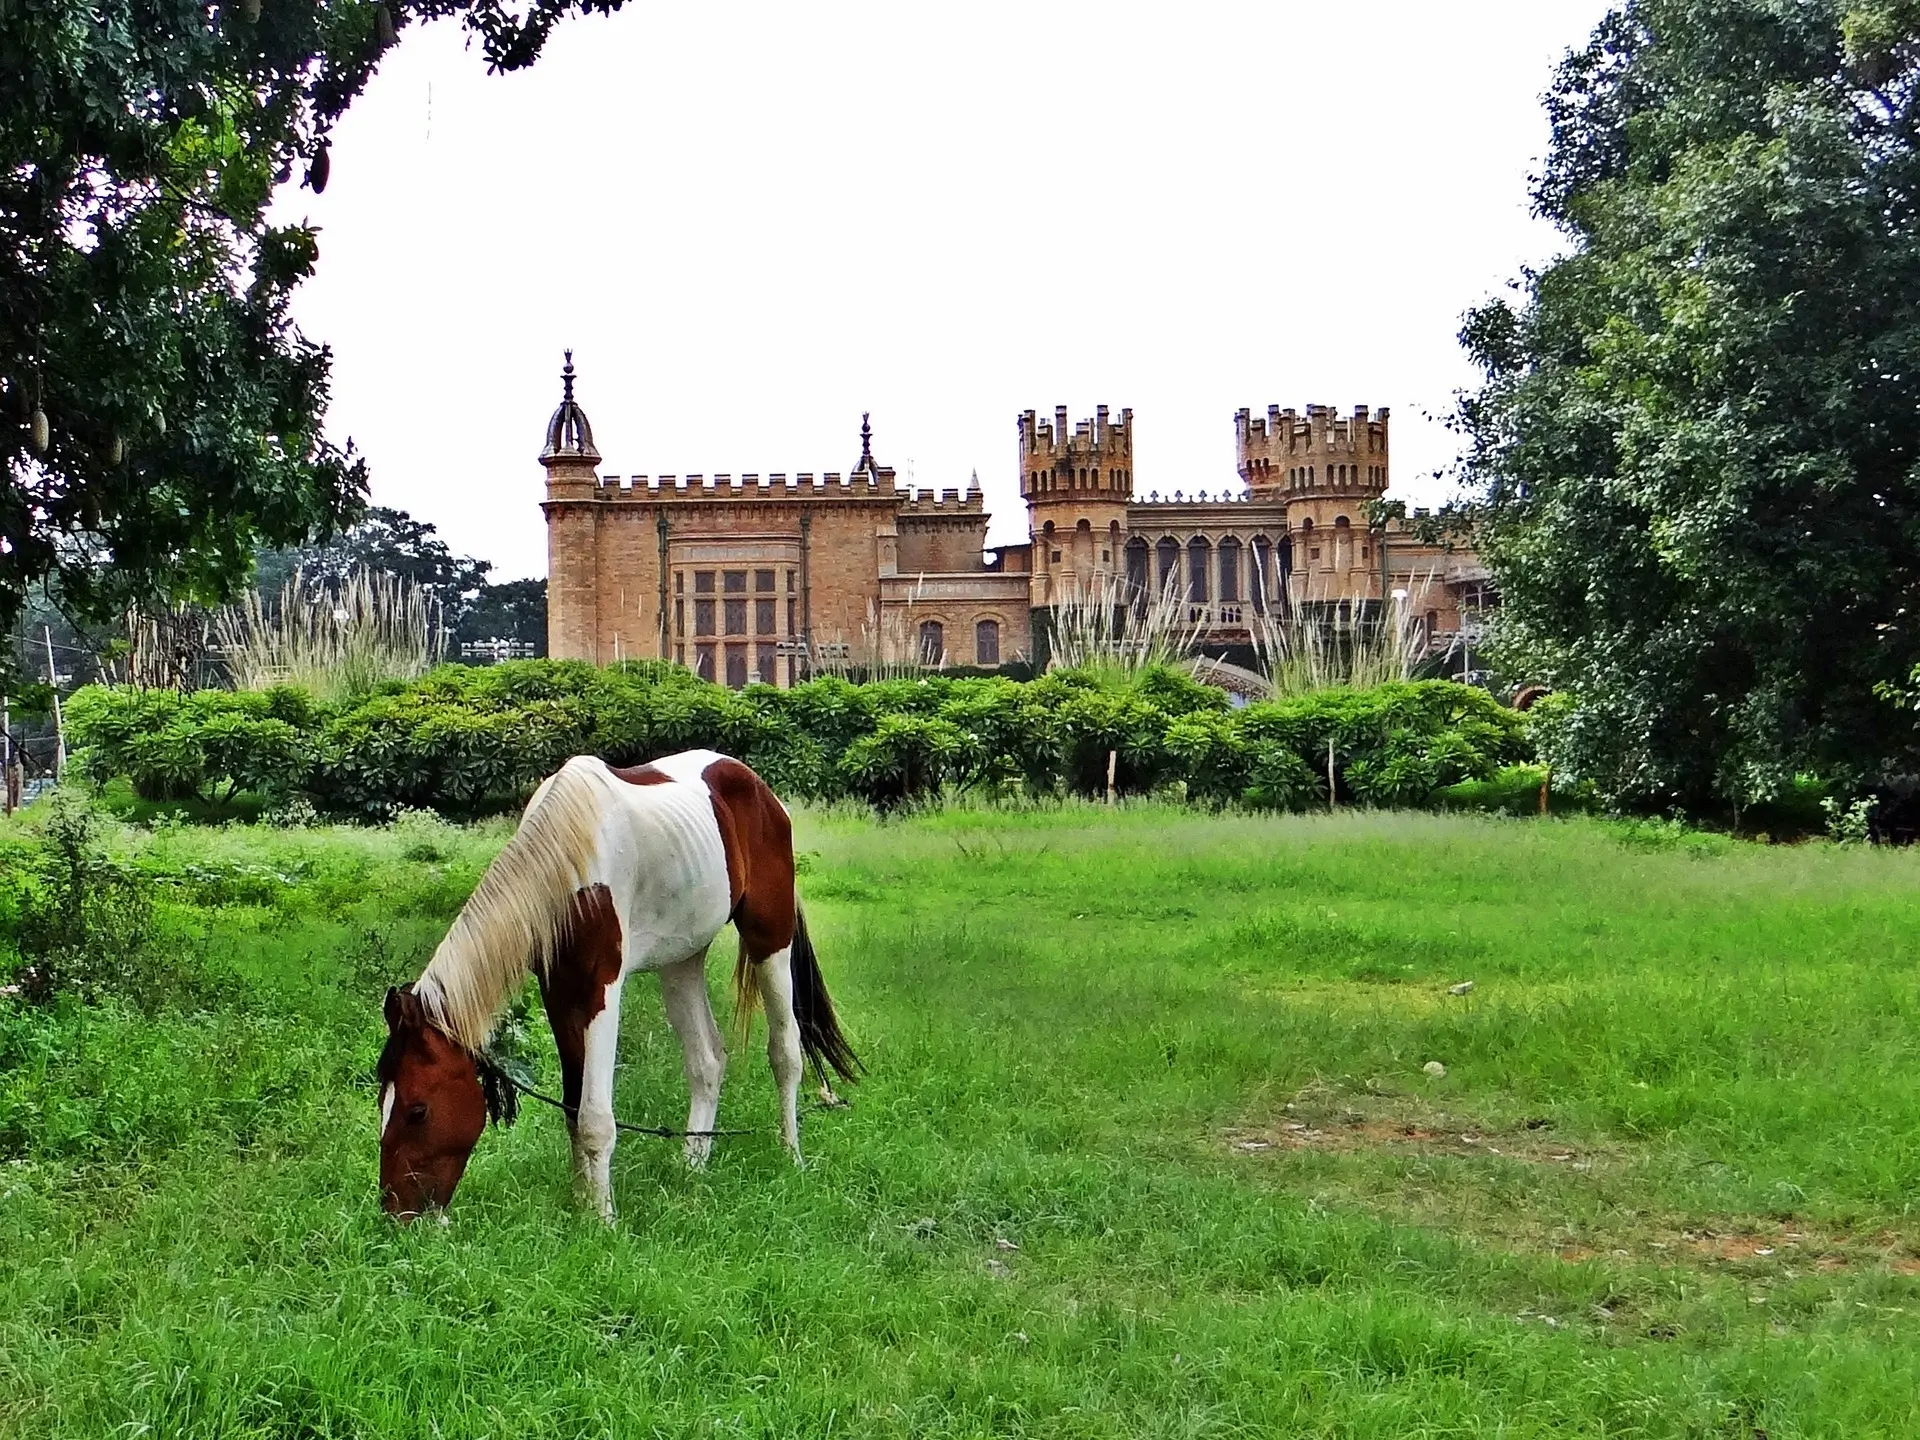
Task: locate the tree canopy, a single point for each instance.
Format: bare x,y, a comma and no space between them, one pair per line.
392,542
160,414
1698,432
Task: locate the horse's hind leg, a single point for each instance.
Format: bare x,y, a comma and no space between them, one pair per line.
775,977
594,1131
683,988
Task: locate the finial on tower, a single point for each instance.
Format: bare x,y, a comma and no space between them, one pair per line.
568,433
865,465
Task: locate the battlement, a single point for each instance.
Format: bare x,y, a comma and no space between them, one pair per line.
1294,456
1095,455
803,486
949,501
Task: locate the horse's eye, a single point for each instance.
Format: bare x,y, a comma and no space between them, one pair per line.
417,1113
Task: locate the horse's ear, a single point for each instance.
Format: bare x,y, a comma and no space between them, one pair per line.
403,1007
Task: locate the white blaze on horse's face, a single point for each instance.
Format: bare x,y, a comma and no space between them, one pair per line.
386,1108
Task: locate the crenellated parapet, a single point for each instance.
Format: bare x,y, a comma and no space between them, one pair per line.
948,502
1096,455
1321,455
708,488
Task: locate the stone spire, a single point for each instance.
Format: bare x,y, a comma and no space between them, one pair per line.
865,465
568,433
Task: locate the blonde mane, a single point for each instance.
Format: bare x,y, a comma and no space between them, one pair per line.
517,915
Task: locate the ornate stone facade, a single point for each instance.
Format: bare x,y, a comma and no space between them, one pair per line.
746,578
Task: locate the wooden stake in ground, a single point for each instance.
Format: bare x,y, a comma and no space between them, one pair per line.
59,727
1546,781
1330,801
1112,758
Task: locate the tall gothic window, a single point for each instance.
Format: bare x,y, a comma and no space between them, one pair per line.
933,642
1139,569
1199,554
1229,569
986,642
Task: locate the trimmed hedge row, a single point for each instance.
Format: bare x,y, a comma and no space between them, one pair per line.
468,741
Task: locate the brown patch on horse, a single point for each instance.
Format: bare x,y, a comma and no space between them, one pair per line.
758,838
641,774
758,835
574,987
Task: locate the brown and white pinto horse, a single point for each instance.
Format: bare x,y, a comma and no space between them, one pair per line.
611,871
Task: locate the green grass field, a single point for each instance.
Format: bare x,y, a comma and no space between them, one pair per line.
1147,1148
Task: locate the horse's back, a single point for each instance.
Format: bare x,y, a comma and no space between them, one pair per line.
672,850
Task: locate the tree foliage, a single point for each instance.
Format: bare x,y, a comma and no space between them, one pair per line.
160,415
1698,432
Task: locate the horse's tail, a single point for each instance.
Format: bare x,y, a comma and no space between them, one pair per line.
821,1040
820,1036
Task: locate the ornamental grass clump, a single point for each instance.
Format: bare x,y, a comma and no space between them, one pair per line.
335,642
1313,646
1106,627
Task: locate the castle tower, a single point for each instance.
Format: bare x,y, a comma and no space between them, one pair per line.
573,477
1326,470
1077,487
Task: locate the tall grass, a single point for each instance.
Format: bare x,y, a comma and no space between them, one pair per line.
889,647
1315,645
334,641
1106,626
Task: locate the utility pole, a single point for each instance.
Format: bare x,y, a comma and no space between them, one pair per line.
59,726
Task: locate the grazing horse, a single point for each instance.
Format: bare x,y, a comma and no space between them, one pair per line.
611,871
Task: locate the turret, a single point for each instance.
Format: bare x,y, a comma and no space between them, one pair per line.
1096,457
1326,470
1322,456
572,464
1076,486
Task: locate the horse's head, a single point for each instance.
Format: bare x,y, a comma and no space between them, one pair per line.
432,1109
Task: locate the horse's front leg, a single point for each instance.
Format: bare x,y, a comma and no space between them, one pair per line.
593,1128
683,988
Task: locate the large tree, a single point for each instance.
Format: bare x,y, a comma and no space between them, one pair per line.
160,415
1699,431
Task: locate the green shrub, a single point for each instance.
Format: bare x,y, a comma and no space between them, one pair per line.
907,758
472,741
1213,756
1278,779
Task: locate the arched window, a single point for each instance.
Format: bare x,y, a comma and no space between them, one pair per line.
986,642
1139,566
933,643
1229,569
1199,558
1262,573
1167,552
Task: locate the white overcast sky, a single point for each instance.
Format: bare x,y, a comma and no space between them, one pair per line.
753,221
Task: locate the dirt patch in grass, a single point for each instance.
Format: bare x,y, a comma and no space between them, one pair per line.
1333,1118
1359,1122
